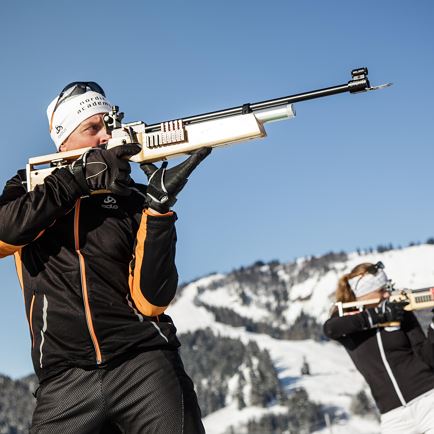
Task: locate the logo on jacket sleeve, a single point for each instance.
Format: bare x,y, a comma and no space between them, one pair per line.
110,203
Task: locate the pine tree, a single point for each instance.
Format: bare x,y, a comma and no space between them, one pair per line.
362,405
305,368
240,391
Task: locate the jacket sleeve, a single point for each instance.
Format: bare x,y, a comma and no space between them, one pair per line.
338,327
25,215
153,276
422,345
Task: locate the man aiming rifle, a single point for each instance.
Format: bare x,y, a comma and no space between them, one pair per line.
95,256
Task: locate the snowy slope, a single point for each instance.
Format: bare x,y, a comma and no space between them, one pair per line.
333,380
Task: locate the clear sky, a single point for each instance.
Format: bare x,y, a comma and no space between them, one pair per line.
350,171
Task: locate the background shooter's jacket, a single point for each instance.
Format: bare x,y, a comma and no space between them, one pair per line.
397,363
96,273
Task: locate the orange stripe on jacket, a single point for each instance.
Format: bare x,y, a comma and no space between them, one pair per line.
87,310
144,306
8,249
31,320
19,268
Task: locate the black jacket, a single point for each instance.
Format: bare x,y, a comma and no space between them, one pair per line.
397,363
97,273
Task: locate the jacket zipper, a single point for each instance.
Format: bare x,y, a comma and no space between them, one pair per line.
44,324
44,329
84,291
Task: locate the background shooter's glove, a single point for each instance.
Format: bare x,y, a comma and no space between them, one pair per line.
386,312
105,169
164,184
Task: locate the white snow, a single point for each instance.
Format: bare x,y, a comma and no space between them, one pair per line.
226,297
220,420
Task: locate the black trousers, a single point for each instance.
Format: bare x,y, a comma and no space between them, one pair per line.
148,394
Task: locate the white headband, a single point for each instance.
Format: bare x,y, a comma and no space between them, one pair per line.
72,112
368,282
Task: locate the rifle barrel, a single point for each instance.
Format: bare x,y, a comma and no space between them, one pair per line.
415,291
359,83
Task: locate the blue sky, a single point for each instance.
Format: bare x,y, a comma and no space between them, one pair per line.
350,171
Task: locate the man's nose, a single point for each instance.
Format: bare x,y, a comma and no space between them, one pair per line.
104,137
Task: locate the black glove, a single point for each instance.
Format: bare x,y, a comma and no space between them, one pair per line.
387,311
105,169
164,184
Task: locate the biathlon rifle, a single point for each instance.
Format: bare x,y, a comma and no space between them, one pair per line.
168,139
416,299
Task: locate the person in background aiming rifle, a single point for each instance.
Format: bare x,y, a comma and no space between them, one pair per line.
95,256
388,347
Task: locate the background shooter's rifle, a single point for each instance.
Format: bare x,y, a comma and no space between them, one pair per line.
173,138
417,299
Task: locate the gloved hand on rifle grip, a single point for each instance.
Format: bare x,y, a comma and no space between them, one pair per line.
105,169
387,311
165,184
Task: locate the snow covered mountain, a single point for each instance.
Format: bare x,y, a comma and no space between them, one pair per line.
281,308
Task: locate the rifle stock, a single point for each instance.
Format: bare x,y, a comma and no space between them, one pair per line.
170,139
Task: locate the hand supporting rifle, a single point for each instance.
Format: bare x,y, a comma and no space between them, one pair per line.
165,184
386,313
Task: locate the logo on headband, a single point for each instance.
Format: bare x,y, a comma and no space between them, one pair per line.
92,102
59,130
